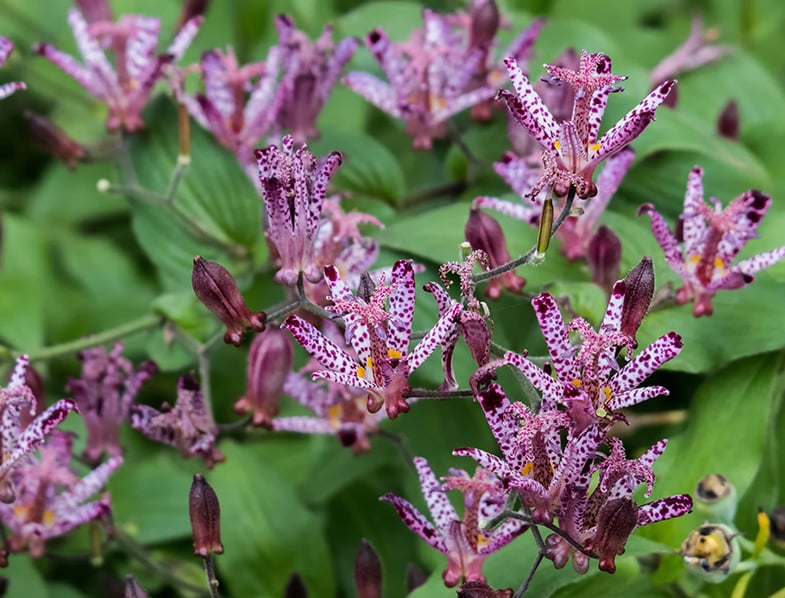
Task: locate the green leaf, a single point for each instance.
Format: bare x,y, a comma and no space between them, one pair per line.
725,434
369,168
267,532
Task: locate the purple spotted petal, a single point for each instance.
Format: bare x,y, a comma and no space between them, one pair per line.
416,521
646,362
664,508
528,108
435,336
399,329
556,337
320,347
439,505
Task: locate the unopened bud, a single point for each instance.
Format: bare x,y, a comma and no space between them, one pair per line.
269,363
728,122
483,232
638,293
484,15
95,11
474,329
604,257
479,589
715,496
615,522
367,572
216,288
415,577
711,552
191,9
205,513
777,517
53,140
295,588
366,288
133,589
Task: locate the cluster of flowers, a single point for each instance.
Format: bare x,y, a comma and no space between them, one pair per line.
560,465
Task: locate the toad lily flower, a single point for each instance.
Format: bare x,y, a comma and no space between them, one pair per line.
429,80
188,426
463,540
571,148
51,499
588,376
311,70
6,46
222,109
711,238
133,40
294,188
380,338
18,439
105,392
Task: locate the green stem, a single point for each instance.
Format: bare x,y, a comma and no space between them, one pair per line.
422,393
147,322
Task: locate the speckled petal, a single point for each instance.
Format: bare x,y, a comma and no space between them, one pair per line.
320,347
376,91
399,328
633,123
416,521
435,337
503,535
546,384
646,362
487,461
87,486
526,212
611,322
556,337
664,508
693,222
759,262
666,239
439,505
304,425
528,108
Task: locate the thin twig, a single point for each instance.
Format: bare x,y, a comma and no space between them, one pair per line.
212,581
422,393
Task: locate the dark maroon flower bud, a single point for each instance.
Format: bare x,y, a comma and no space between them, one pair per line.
191,9
478,589
728,122
415,577
638,293
604,257
133,589
483,232
615,522
672,98
53,140
366,288
205,513
484,15
295,588
216,288
269,363
777,517
36,385
474,329
367,572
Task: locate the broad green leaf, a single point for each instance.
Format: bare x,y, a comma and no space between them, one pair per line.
267,532
369,168
398,18
150,496
726,432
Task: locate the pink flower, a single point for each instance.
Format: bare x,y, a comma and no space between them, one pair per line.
6,47
707,240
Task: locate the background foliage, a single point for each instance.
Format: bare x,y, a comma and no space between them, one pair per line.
76,262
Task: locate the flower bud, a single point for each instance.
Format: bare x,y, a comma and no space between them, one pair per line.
133,589
295,588
615,522
415,577
216,288
191,9
484,15
728,121
95,11
711,552
205,513
777,517
367,572
483,232
474,329
715,496
478,589
604,257
638,292
269,364
53,140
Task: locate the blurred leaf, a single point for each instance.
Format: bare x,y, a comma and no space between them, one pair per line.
369,168
267,532
726,432
24,578
398,18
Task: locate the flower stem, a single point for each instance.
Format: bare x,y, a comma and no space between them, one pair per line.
212,581
422,393
533,254
147,322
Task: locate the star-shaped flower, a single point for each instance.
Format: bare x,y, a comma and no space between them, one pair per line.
294,188
51,499
428,80
188,426
462,539
707,241
126,87
6,47
572,149
380,338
